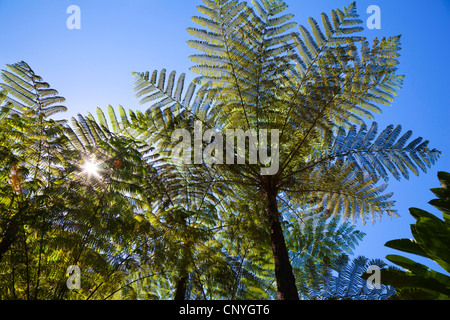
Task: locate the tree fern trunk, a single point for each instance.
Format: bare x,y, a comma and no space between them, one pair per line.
286,288
180,288
183,277
9,238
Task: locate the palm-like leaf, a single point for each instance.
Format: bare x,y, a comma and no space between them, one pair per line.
431,238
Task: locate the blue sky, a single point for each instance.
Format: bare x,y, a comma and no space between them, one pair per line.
91,67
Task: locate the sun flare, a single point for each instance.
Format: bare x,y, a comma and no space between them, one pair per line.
91,168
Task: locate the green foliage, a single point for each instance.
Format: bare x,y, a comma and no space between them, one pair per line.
53,214
315,86
179,243
143,225
314,243
431,240
346,280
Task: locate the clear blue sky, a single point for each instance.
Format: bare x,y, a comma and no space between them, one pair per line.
92,68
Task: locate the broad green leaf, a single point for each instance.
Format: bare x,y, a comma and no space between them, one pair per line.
406,245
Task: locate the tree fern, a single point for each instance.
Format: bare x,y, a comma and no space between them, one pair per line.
311,84
182,211
55,217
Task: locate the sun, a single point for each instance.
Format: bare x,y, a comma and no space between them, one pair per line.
91,168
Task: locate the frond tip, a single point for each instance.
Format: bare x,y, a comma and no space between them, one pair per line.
27,91
386,153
